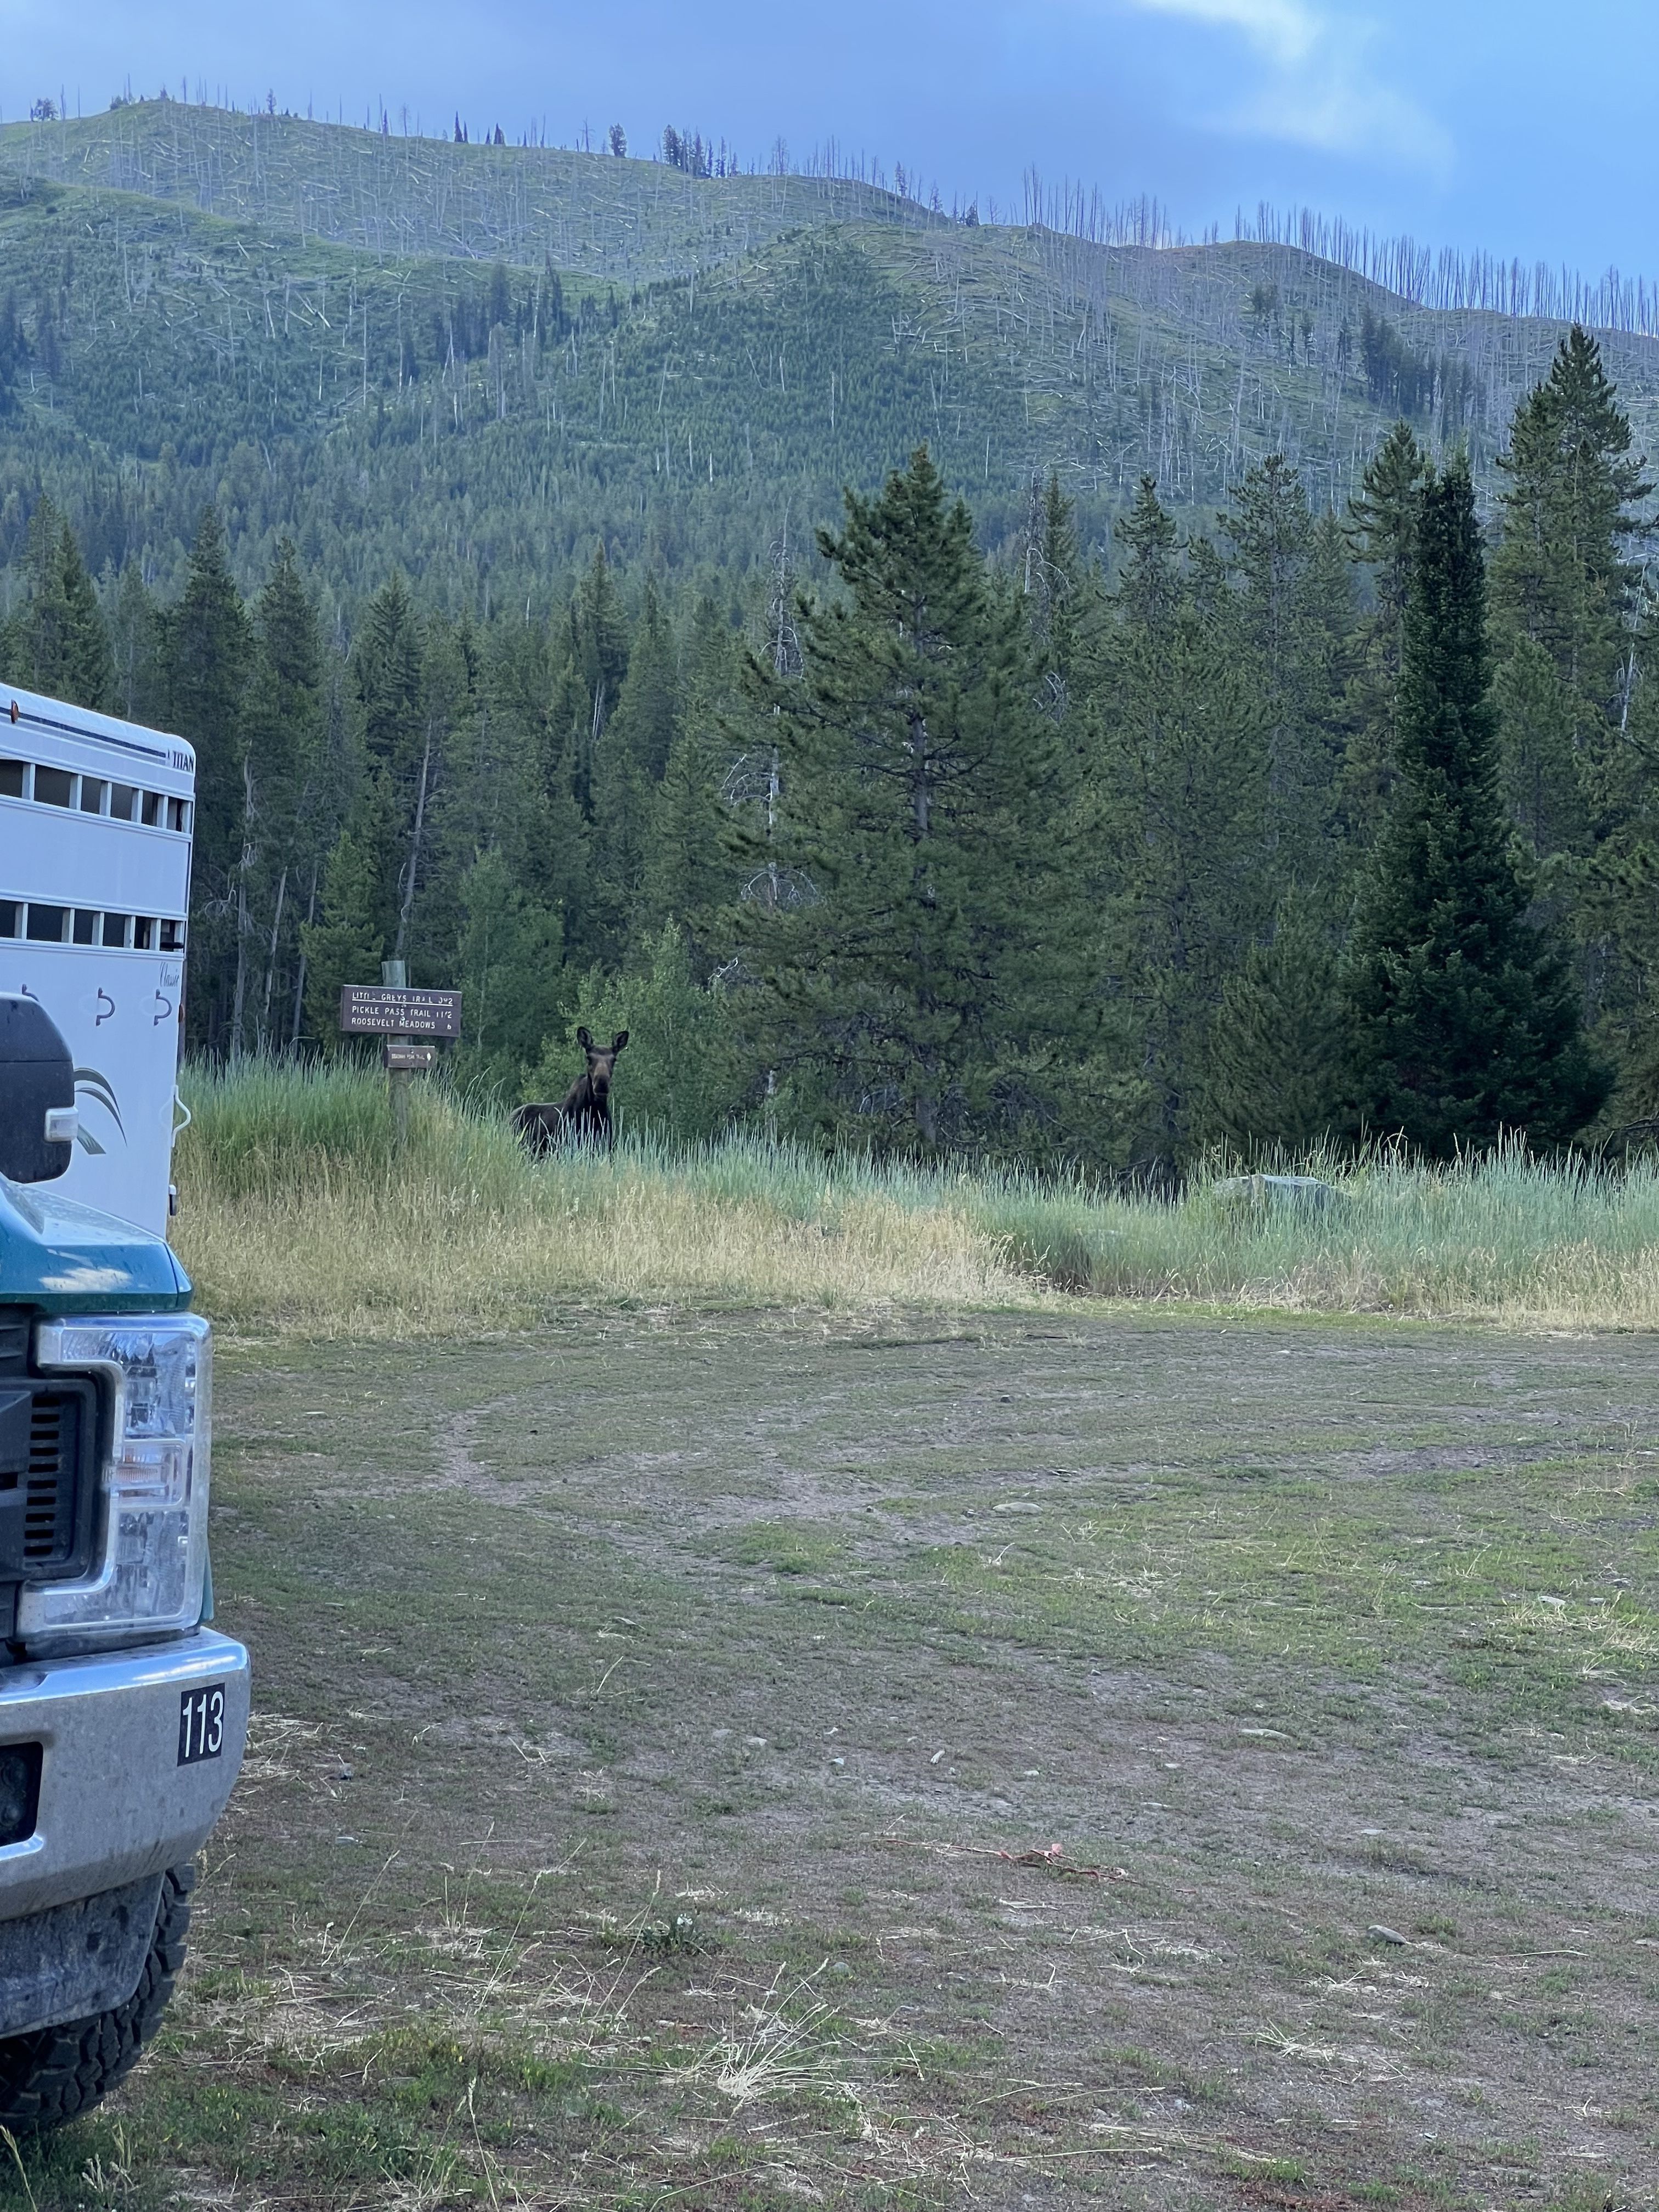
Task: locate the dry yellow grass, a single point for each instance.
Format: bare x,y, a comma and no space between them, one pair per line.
299,1216
354,1256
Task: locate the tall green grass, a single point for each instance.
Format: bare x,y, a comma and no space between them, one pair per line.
300,1213
269,1127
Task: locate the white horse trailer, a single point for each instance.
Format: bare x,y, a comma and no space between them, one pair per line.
95,820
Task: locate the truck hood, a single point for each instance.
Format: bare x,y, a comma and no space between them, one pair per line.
72,1258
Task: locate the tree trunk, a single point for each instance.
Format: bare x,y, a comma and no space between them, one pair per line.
271,963
238,996
299,966
398,949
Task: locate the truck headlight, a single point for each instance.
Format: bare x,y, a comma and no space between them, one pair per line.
150,1525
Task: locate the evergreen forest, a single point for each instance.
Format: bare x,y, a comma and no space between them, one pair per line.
965,687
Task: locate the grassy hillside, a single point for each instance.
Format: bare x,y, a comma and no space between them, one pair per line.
633,222
470,361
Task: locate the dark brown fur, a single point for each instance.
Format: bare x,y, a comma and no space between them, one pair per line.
585,1110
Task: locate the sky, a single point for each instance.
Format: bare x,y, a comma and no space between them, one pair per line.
1523,127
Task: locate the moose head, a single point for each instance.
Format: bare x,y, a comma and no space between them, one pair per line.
601,1059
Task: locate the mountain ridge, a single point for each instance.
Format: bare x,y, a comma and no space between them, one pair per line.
702,356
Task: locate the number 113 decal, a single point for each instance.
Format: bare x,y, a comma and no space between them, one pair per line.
201,1723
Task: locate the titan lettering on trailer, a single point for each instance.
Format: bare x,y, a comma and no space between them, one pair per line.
95,828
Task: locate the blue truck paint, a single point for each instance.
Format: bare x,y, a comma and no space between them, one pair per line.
58,1257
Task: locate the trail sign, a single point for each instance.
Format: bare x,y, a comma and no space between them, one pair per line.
399,1057
382,1010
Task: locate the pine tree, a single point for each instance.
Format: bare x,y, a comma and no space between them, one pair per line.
1463,1021
689,874
1275,1061
529,810
83,670
591,680
1561,576
629,758
394,733
284,718
31,645
1382,536
348,941
453,694
58,642
285,722
1573,633
136,648
1383,533
920,986
207,658
1621,892
1542,782
562,877
1335,646
209,652
510,972
1179,788
1053,585
385,667
648,700
1284,630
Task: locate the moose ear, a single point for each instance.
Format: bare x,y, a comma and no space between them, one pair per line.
622,1039
584,1041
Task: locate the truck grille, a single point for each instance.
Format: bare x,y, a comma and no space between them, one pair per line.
48,1474
49,1489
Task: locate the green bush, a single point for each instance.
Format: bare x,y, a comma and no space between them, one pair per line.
681,1074
511,974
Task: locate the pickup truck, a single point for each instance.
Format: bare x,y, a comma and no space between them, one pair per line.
123,1711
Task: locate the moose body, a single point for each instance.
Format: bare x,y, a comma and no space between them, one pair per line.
584,1113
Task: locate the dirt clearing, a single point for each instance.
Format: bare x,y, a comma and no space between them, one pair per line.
665,1731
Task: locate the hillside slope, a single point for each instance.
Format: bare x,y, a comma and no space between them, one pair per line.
470,361
377,193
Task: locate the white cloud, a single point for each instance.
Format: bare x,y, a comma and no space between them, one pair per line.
1320,83
1284,29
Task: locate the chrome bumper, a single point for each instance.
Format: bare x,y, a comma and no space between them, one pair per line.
115,1804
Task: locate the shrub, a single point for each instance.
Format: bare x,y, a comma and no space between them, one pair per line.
682,1074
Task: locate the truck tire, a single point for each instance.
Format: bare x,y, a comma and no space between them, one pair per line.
55,2073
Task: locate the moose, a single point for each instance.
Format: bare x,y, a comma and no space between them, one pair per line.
585,1111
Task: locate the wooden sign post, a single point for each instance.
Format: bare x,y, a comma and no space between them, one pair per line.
404,1017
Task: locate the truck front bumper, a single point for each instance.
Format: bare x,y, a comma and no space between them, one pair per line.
116,1806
